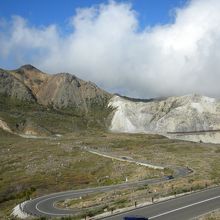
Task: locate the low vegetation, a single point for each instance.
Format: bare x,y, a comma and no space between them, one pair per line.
34,167
47,120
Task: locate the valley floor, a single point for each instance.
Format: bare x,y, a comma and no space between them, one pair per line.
35,167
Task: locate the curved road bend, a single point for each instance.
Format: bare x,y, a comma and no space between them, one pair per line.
44,206
180,208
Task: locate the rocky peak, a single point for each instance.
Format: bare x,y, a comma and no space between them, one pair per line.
28,67
31,77
61,90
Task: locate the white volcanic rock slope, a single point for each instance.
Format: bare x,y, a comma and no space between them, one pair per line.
174,114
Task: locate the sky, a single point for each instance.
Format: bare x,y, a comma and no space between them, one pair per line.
139,48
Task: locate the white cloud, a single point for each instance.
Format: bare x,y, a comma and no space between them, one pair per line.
107,47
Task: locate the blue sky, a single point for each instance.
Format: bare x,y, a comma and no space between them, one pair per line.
45,12
140,48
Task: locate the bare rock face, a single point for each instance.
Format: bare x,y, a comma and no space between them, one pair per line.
191,117
13,87
33,78
32,100
59,91
66,90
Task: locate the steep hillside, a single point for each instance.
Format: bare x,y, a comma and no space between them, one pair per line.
13,87
35,103
40,104
32,77
190,117
60,90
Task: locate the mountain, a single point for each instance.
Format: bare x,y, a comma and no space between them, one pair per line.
13,87
60,90
36,103
190,117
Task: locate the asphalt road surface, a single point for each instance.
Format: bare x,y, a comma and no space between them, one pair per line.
181,208
44,206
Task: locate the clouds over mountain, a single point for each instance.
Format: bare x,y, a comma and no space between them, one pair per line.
107,46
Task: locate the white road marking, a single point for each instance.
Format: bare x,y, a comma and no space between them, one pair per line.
184,207
48,213
153,217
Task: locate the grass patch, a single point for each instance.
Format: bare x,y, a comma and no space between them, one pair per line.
34,167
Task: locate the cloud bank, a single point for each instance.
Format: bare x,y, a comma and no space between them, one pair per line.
106,45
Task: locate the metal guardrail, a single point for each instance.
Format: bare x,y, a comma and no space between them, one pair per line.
193,132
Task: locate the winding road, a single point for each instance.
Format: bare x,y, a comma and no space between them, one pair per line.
45,205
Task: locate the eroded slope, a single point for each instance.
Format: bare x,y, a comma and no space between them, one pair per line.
177,117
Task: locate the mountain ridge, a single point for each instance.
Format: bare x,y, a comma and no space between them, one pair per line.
79,105
60,90
35,103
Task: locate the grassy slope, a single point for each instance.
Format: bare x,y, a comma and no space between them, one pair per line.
202,158
61,121
37,167
15,182
33,167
